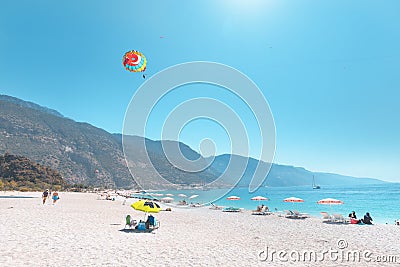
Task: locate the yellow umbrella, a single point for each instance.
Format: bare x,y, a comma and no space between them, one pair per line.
146,206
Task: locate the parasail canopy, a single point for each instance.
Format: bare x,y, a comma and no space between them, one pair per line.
134,61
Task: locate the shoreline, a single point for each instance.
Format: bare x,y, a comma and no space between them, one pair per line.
120,198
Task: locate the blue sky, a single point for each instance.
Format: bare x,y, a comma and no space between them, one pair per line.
329,69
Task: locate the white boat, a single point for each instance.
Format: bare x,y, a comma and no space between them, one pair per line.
314,186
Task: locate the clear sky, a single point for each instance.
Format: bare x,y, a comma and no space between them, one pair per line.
329,69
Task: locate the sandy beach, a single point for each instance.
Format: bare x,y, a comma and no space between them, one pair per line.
82,230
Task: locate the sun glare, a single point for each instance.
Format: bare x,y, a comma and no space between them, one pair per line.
247,6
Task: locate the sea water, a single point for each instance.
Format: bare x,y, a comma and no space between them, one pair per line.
381,200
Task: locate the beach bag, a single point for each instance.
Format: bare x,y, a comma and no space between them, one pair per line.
141,226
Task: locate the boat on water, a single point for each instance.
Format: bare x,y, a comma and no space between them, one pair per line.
314,186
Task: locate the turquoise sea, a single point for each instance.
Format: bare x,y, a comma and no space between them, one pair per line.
381,201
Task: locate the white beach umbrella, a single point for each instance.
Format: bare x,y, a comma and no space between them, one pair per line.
193,196
233,198
259,199
293,199
169,195
330,201
167,199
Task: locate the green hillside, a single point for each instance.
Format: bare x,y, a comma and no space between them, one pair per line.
20,173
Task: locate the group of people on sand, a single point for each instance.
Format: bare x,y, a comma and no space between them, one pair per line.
47,194
366,220
262,208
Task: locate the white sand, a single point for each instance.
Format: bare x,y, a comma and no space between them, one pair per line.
81,230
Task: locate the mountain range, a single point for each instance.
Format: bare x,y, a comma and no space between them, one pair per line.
80,152
85,154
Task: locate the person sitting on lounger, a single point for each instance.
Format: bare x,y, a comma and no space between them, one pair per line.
367,218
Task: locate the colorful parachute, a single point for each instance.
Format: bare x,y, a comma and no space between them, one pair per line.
134,61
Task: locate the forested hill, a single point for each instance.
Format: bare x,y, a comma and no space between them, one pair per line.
20,173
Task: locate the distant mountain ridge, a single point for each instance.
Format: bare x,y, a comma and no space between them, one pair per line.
80,152
283,175
142,160
86,154
28,104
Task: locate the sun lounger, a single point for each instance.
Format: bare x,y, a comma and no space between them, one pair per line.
279,213
334,218
215,207
263,211
231,209
338,218
301,215
182,203
326,217
288,214
291,215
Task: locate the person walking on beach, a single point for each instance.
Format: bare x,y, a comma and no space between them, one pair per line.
55,197
45,195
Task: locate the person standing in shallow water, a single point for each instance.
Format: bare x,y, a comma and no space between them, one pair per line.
45,195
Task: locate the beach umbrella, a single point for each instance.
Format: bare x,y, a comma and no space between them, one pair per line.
233,198
146,206
167,199
193,196
330,201
169,195
293,199
259,199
